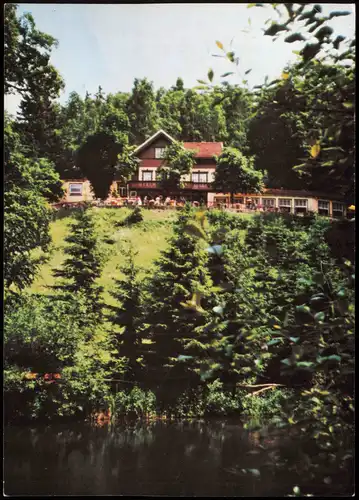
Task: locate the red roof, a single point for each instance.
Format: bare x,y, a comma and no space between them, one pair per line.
205,149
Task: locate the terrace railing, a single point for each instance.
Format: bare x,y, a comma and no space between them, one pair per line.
196,186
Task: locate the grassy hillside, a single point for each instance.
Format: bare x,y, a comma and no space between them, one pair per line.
148,239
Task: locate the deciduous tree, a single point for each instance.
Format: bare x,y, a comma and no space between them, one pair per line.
235,173
177,162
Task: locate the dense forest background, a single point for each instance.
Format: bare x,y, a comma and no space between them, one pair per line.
277,123
234,306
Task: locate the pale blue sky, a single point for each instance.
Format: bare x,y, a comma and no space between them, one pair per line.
111,44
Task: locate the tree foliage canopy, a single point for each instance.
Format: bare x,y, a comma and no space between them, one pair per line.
177,162
235,173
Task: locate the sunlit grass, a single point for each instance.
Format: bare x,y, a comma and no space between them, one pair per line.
147,238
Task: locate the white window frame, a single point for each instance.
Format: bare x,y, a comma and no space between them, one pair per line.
265,202
301,203
326,207
159,152
198,176
133,194
282,204
147,172
337,207
76,185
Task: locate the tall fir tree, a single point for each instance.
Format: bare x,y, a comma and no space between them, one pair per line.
176,339
81,270
126,317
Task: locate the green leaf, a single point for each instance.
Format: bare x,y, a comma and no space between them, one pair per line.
294,339
305,364
248,71
202,82
182,357
210,75
274,29
255,472
334,357
316,400
337,13
219,45
227,74
230,56
274,341
295,37
320,316
218,309
286,361
303,309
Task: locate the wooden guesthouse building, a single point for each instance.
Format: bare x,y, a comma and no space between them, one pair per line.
197,186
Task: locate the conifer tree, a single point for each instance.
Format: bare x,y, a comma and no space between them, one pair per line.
176,318
126,316
83,266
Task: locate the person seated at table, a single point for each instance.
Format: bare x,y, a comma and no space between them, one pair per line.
167,200
139,201
157,201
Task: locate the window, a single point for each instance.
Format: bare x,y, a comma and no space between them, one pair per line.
75,189
337,209
301,203
147,175
300,206
323,207
200,177
268,202
133,194
122,190
285,202
159,152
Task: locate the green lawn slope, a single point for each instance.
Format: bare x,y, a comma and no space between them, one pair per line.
148,238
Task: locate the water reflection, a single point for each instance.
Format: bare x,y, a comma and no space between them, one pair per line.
183,458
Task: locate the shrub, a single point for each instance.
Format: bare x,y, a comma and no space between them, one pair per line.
136,402
217,402
133,218
219,218
264,406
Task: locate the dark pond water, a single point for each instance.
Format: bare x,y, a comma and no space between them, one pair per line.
160,458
